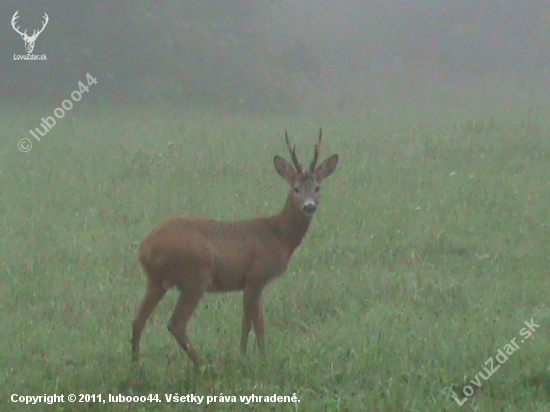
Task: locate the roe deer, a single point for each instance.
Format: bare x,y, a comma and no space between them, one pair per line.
201,255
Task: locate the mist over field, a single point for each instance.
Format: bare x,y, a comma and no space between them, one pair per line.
422,283
286,56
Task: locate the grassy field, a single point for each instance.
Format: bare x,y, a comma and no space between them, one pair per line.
429,252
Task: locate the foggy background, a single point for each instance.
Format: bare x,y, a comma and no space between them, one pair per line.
283,56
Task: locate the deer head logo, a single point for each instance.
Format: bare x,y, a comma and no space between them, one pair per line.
29,40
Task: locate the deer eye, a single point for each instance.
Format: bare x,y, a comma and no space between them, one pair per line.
296,190
317,189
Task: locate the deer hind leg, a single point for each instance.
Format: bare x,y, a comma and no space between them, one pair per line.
177,325
153,296
252,316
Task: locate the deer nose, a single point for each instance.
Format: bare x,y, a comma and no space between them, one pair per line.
309,207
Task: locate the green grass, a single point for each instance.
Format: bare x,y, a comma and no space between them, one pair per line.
429,251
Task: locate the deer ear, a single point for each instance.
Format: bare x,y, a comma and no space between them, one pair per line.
326,168
284,169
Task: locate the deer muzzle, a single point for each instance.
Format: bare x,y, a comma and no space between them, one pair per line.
309,207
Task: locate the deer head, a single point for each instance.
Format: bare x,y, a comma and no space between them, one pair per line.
305,183
29,40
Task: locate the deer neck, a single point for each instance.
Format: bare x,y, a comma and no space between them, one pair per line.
292,225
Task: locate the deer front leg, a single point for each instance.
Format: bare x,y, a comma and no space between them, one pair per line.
252,315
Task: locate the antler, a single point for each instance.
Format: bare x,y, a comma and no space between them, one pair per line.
35,32
316,153
13,21
47,19
292,151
